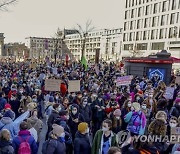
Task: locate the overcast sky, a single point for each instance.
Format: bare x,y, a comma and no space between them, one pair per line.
42,17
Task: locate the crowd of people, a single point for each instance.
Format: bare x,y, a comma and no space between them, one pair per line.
87,121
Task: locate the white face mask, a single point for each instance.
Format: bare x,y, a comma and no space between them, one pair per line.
87,131
118,118
67,117
85,103
74,112
35,100
144,107
172,125
104,129
62,135
129,105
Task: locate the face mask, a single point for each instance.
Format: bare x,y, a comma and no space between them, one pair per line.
104,129
12,98
84,103
35,100
137,98
62,135
57,97
87,131
21,91
74,112
85,94
80,97
115,92
129,105
172,125
67,117
118,118
144,107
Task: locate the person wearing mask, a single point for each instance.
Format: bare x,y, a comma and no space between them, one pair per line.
15,104
85,110
114,150
8,111
125,110
24,136
116,121
82,142
136,120
104,139
56,142
175,110
77,99
3,101
162,105
75,118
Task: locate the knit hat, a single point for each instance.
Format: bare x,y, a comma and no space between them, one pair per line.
51,99
57,130
160,114
117,112
136,106
82,127
7,106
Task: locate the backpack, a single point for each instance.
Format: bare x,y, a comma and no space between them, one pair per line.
24,147
135,123
45,146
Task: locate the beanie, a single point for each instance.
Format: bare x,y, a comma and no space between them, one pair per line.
117,112
7,106
82,127
57,130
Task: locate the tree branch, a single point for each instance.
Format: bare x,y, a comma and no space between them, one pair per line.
5,3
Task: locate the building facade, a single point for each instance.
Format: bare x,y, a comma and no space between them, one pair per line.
42,47
2,44
107,41
151,26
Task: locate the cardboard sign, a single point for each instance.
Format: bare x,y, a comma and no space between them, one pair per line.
74,86
169,93
124,80
175,131
177,79
52,85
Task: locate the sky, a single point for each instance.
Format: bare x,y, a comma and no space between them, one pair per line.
41,18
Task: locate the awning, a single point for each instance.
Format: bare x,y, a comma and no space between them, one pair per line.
175,60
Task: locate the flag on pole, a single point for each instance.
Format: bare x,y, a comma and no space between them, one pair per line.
84,62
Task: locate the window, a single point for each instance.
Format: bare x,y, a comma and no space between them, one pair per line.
154,22
131,25
177,20
137,36
162,20
173,4
142,46
139,11
125,26
171,32
155,8
126,3
152,34
172,18
126,12
130,37
147,10
145,22
145,35
138,24
164,6
132,13
128,46
157,46
161,33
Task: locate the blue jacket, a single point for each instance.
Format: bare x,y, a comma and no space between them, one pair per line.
7,123
3,101
24,134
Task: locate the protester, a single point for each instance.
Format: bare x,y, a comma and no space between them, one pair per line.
114,150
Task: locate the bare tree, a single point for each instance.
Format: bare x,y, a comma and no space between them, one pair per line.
83,33
5,3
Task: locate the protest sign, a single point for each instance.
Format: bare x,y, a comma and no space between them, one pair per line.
52,85
177,79
74,86
124,80
175,133
169,93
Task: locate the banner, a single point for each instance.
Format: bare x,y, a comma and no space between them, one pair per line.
169,93
52,85
74,86
124,80
175,131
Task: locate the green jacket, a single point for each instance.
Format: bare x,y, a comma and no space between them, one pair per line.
98,141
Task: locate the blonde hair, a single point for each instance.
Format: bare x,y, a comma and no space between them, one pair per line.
5,135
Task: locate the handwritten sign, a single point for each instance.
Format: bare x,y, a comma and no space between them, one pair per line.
169,93
124,80
74,86
52,85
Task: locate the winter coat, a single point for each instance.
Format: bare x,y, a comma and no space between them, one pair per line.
6,147
86,112
15,104
81,144
124,111
24,134
175,111
98,142
3,101
7,123
131,118
36,124
63,89
52,117
56,147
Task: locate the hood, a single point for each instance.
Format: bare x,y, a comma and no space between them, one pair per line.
79,135
6,120
24,132
4,143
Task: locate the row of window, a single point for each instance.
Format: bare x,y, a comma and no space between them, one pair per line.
162,20
144,46
163,33
153,9
45,41
87,40
131,3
